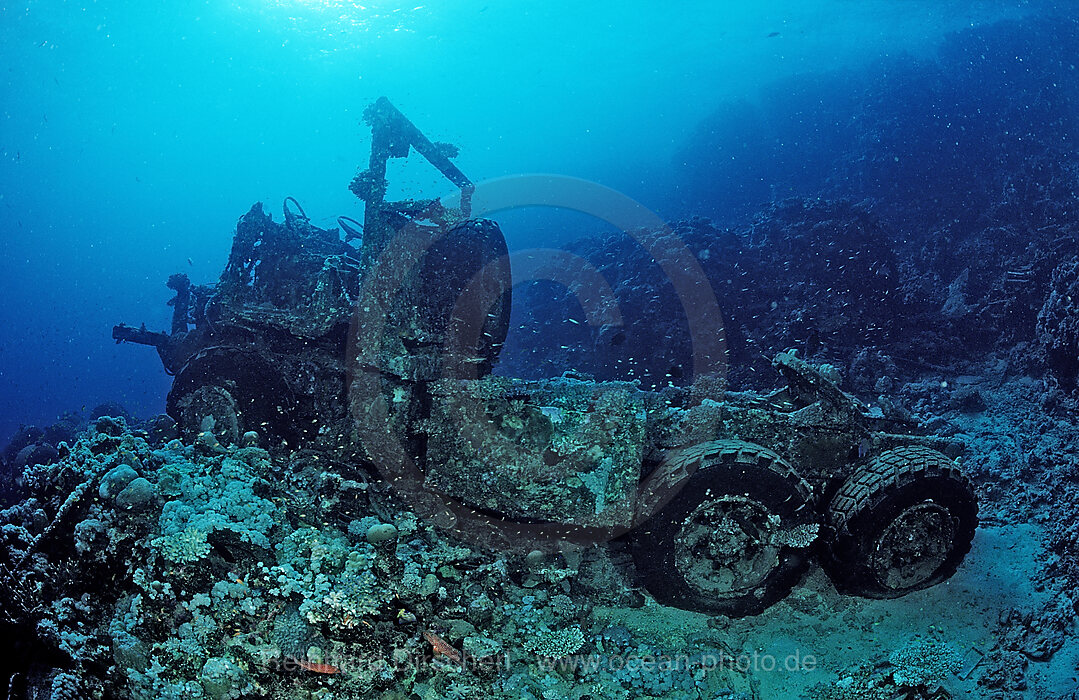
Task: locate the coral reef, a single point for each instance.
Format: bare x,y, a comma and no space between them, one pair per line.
936,229
213,586
830,297
923,663
1058,324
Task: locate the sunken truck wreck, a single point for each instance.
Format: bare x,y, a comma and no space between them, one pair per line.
374,345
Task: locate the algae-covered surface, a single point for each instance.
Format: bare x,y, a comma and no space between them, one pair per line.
231,573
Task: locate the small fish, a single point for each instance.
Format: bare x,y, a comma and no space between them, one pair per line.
863,448
317,668
190,262
442,647
773,34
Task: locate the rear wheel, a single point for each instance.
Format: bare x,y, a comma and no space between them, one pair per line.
733,537
902,523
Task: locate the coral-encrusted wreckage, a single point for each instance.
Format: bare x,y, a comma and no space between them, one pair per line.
344,487
366,485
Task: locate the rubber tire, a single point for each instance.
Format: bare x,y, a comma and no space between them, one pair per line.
872,498
215,400
261,397
720,467
466,291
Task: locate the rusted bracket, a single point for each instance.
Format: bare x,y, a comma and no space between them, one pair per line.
808,384
392,136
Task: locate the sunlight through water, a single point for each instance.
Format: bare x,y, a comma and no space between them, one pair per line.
339,19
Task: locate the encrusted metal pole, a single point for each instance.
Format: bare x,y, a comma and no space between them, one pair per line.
392,136
370,185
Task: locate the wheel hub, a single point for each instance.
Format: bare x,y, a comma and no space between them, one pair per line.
913,546
726,546
218,403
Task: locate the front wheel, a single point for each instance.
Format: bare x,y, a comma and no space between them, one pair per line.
901,523
206,402
240,389
734,537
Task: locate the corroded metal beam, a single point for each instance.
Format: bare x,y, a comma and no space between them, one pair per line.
392,136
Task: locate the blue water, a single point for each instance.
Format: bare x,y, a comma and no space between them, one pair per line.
134,134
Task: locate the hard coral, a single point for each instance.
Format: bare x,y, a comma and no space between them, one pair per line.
923,663
1058,324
